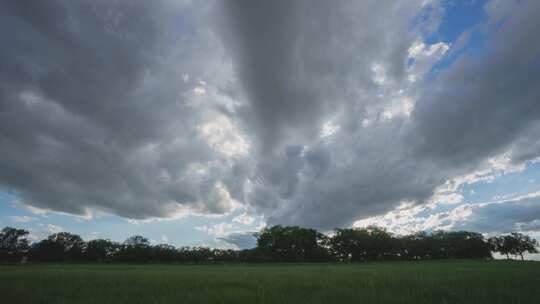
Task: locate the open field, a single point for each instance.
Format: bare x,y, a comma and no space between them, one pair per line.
422,282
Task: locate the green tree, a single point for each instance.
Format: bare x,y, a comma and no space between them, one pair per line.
522,243
137,241
500,244
72,245
100,250
165,253
513,244
291,244
13,244
364,244
135,249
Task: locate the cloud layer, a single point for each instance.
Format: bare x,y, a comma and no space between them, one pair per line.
307,112
101,109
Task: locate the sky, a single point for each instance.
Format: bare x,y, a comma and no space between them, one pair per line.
197,123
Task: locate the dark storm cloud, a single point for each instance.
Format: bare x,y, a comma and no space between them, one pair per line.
364,174
306,63
94,110
300,61
307,112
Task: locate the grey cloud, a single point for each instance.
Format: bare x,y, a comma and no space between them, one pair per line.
102,106
480,105
96,111
305,62
358,175
521,213
472,111
301,61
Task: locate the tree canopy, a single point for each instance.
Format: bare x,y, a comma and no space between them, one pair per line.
274,244
513,244
13,243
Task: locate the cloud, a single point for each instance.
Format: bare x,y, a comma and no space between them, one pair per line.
310,113
398,141
479,106
295,70
244,219
298,75
424,57
244,240
22,219
98,114
217,230
517,213
217,243
49,228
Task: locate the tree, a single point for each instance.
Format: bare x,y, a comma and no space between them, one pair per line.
416,246
461,245
13,244
291,244
201,255
514,243
445,245
137,241
47,251
100,250
523,243
165,253
72,245
274,244
135,249
364,244
225,255
500,244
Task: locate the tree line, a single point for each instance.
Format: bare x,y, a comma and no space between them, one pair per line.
274,244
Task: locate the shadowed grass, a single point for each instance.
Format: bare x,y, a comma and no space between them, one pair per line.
404,282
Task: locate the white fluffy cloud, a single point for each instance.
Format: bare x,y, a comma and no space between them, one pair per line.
517,213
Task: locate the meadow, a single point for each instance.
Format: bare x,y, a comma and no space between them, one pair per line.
390,282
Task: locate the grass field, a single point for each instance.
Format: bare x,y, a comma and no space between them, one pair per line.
425,282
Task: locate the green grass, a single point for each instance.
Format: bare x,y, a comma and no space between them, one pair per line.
425,282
